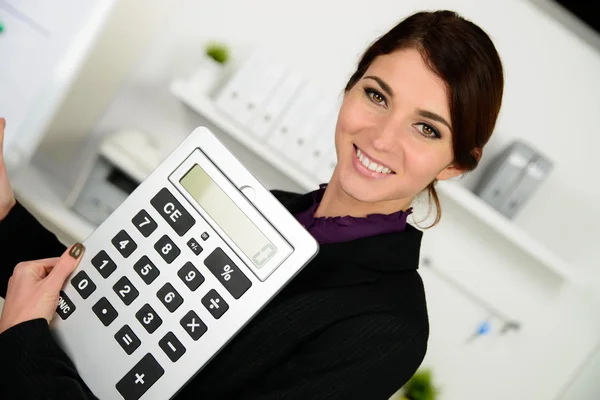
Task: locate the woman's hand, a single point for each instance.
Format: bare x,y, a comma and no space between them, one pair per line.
7,197
34,288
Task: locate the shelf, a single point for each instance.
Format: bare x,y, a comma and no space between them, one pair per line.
204,106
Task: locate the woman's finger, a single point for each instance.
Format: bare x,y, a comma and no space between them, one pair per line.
2,126
65,265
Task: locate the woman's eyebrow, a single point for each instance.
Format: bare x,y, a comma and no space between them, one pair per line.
433,116
386,88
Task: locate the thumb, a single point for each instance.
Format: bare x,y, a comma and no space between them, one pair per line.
65,265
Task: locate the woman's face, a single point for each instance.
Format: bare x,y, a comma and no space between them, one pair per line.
393,135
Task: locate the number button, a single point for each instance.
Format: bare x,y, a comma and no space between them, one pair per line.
103,263
65,306
193,325
105,311
169,297
144,223
124,243
215,304
172,346
172,211
167,249
194,246
190,276
83,284
146,270
126,291
140,378
127,339
148,318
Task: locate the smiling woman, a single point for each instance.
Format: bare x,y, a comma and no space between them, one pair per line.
420,107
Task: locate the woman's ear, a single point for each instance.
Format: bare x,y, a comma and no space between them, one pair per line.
450,171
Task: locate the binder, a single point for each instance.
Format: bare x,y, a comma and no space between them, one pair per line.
272,110
316,152
311,130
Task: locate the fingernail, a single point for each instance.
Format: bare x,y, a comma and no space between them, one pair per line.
76,250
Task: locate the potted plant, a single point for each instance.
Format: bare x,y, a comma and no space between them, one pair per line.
209,72
420,387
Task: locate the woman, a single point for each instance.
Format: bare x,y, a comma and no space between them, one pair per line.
353,324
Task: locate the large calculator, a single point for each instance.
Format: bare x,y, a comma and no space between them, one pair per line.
170,277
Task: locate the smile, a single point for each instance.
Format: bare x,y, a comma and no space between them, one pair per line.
370,164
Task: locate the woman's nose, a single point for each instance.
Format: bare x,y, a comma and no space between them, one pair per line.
387,138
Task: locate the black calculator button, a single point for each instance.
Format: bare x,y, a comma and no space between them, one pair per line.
124,243
172,346
193,325
215,304
148,318
190,276
227,273
105,311
169,297
125,290
194,246
140,378
146,270
104,264
127,339
83,284
144,223
173,212
65,306
204,236
167,249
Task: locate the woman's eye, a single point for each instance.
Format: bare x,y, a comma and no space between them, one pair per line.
376,97
428,130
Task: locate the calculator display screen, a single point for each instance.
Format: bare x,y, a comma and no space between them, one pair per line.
228,216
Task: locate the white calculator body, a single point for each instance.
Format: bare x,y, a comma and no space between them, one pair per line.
180,267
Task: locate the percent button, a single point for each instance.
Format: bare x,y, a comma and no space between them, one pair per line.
227,273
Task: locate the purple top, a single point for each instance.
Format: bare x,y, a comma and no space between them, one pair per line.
343,229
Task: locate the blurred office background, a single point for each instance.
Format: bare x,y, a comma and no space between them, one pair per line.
513,297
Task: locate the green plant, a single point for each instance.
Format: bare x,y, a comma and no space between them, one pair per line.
420,387
218,52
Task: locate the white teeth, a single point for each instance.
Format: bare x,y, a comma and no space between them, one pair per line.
364,160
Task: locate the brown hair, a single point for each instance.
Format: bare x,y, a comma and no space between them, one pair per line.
464,57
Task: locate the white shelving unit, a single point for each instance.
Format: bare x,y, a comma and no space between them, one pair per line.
204,106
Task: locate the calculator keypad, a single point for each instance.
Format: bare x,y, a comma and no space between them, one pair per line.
83,284
194,246
190,276
105,311
172,211
172,346
148,318
193,325
125,290
104,264
124,243
140,378
127,339
167,249
144,223
169,297
215,304
146,270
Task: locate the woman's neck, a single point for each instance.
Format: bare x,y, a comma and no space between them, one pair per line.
337,203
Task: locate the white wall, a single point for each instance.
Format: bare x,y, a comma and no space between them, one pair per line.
551,95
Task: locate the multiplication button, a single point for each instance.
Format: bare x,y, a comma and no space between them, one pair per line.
140,378
193,325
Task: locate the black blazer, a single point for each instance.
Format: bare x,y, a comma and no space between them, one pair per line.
352,325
